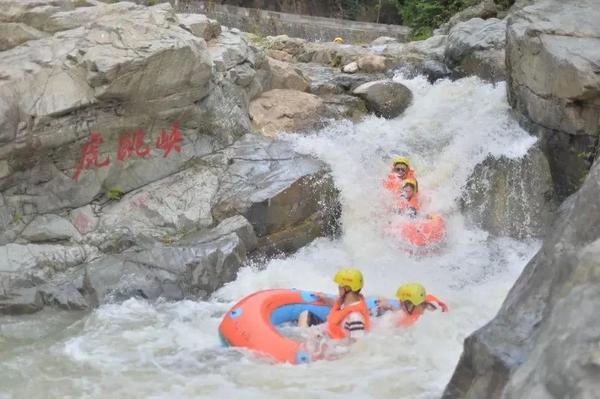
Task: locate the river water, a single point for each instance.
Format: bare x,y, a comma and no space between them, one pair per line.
140,349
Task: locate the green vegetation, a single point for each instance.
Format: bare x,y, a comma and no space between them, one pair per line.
426,15
115,194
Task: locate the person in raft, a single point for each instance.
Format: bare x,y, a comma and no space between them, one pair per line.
349,316
414,301
401,171
408,202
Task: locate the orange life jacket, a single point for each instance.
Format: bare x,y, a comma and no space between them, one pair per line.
338,315
409,319
402,203
394,182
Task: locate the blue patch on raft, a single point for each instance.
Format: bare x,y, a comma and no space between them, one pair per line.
290,313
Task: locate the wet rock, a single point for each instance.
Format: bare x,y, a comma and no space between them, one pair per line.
173,272
275,196
511,197
278,110
326,80
435,70
21,301
351,67
346,106
13,34
476,47
543,342
200,25
384,97
286,76
50,228
551,39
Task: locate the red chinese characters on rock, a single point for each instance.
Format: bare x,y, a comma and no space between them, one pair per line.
89,155
168,142
130,144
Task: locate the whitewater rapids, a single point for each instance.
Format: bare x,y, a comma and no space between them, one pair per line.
171,349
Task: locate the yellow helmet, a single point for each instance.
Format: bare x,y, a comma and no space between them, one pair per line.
349,277
403,160
412,182
338,40
413,292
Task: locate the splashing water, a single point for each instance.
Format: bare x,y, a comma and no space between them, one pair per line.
166,350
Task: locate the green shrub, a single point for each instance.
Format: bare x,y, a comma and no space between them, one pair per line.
115,194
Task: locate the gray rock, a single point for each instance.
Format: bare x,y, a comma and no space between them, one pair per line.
383,40
84,219
13,34
280,110
200,25
543,342
50,228
384,97
551,39
345,105
276,196
511,197
372,63
109,84
476,47
172,272
350,68
21,301
286,76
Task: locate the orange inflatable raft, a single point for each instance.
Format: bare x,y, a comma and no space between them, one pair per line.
422,234
252,323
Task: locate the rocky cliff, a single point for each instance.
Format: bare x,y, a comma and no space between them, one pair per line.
552,63
128,164
544,341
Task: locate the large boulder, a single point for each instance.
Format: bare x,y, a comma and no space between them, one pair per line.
554,85
511,197
384,97
281,110
200,25
286,76
476,47
372,63
544,341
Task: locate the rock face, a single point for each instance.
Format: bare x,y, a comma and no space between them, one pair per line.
544,340
511,197
476,47
280,110
128,164
200,25
553,82
285,76
384,97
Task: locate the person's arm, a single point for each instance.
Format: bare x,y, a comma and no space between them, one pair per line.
430,299
329,301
